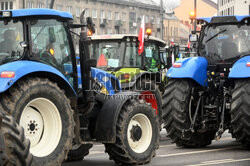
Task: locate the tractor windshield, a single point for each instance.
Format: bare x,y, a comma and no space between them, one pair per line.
225,42
120,53
11,36
107,53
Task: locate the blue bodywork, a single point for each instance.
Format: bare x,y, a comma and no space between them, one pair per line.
240,69
194,68
209,19
22,68
99,74
39,12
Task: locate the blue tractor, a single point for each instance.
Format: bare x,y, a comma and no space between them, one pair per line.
210,93
62,105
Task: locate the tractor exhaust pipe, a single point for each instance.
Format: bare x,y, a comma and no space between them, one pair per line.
51,4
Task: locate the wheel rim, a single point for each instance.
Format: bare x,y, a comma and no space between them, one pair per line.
149,97
139,133
42,124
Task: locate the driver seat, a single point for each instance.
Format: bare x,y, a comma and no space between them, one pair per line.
229,50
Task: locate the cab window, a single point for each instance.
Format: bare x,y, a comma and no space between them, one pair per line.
51,46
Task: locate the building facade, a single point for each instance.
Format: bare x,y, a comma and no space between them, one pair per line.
171,29
233,7
109,16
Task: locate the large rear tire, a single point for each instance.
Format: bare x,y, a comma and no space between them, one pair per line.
137,134
16,145
240,113
176,103
44,112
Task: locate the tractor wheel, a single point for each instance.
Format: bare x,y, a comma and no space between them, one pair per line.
240,114
137,134
151,93
16,145
178,102
44,112
78,152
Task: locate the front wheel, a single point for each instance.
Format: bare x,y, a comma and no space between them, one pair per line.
179,105
137,134
44,112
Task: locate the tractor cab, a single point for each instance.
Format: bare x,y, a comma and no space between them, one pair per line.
224,39
118,54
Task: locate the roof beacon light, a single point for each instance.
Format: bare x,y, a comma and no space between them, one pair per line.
248,64
149,31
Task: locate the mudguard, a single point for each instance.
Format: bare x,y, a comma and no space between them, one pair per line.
22,68
105,130
111,83
240,68
194,68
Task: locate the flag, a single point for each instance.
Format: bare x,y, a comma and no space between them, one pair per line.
141,36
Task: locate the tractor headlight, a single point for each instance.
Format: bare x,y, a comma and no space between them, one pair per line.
99,87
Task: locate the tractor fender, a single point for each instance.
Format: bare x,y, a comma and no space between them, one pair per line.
24,68
105,130
194,68
152,76
110,82
241,68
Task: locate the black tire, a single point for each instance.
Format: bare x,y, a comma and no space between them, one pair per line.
121,151
15,100
176,101
240,114
149,85
79,153
16,145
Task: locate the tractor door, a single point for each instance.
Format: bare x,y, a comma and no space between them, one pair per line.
51,44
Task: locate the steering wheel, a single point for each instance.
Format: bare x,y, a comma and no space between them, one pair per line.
48,57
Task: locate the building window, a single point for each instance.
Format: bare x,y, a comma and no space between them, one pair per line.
116,16
146,19
11,5
59,7
109,15
30,5
102,14
158,21
69,9
86,12
123,31
78,10
94,13
40,5
123,16
6,5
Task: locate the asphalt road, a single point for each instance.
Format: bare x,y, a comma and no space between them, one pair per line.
226,151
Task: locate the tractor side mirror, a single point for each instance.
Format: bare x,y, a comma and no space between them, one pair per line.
82,17
90,25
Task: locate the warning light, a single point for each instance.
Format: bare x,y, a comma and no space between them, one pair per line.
192,15
89,33
177,65
52,51
7,74
149,31
248,64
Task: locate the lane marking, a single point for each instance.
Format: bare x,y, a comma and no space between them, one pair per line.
162,146
202,151
215,161
221,162
95,152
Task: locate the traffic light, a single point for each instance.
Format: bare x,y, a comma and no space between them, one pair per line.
192,15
